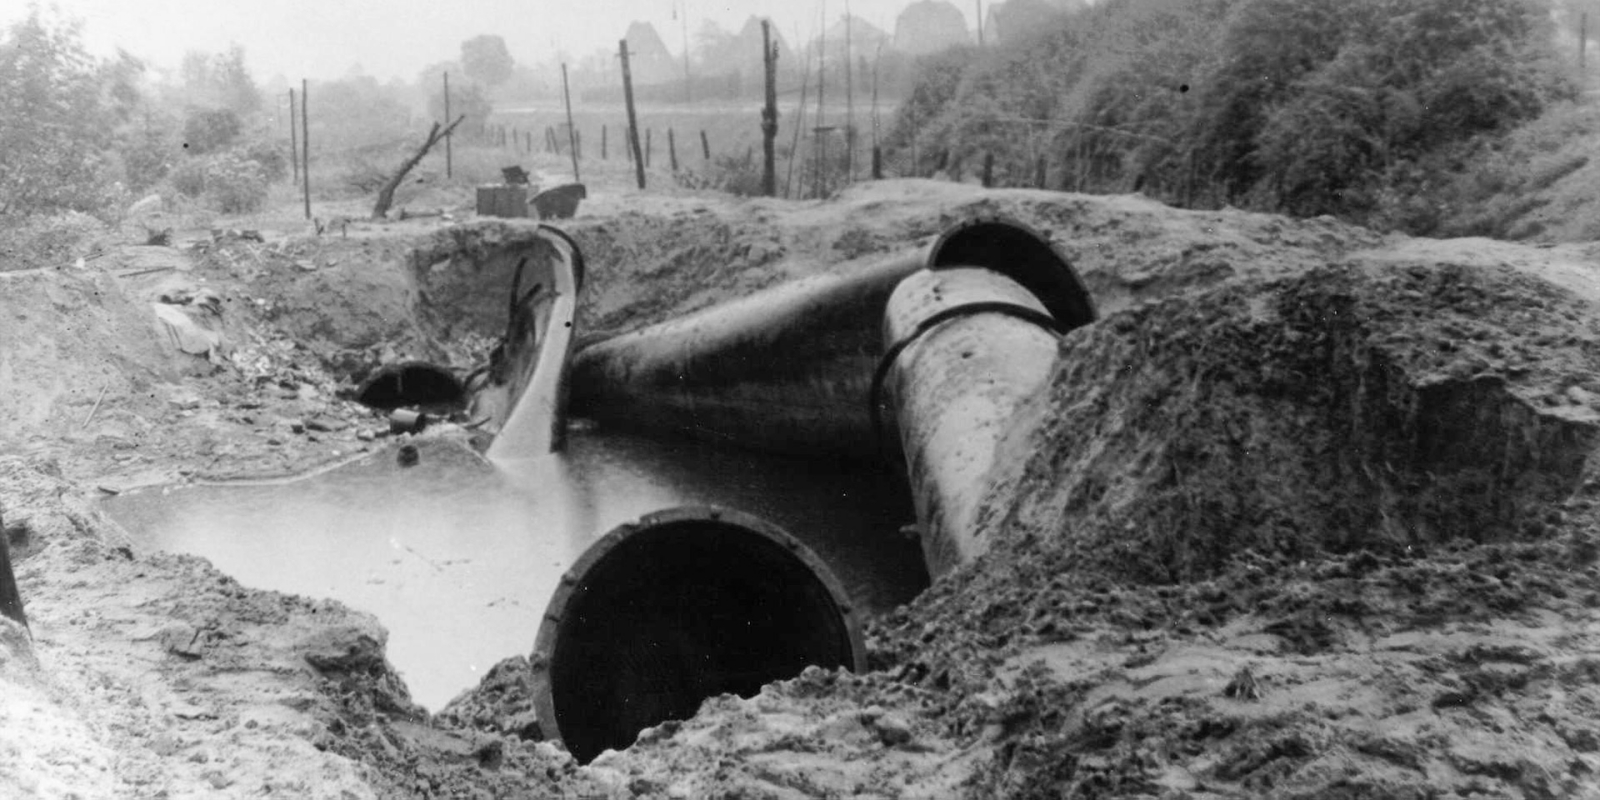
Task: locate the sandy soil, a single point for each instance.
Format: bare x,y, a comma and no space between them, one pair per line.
1310,513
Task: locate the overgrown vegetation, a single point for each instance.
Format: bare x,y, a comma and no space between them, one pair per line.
1359,108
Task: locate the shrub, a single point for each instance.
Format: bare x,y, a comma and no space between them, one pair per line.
189,177
235,184
47,240
207,130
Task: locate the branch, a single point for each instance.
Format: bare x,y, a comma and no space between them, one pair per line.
386,194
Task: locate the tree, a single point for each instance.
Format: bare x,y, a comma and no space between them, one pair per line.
468,101
52,122
220,80
486,60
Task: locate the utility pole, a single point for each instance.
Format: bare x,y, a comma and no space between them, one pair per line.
769,114
822,85
633,120
849,100
448,156
294,139
572,131
305,144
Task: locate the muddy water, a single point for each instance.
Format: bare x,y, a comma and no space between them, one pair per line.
458,557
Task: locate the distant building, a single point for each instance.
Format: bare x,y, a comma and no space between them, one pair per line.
929,26
863,37
648,58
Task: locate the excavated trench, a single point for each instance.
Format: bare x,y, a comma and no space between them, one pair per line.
459,555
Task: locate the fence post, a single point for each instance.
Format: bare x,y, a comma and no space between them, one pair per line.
705,144
449,157
572,132
672,150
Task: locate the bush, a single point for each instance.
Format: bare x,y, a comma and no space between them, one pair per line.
235,184
207,130
189,177
47,240
230,182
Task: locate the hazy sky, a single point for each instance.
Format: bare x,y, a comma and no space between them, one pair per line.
324,38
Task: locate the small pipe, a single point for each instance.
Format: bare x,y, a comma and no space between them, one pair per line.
683,605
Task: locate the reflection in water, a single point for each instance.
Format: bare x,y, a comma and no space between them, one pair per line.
458,557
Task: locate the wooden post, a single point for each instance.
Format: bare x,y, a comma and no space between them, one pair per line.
305,144
1039,172
633,120
988,170
769,114
603,144
672,150
294,139
877,163
705,144
449,157
849,100
572,132
799,123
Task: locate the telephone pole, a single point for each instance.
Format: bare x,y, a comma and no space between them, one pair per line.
769,114
633,120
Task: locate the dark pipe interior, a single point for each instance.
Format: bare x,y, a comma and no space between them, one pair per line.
680,612
1017,252
411,383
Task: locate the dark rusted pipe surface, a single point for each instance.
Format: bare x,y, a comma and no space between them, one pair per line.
784,370
683,605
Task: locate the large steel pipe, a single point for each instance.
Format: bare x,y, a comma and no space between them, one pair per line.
784,370
789,369
683,605
975,345
969,345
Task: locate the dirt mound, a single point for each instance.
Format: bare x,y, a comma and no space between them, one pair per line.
1342,409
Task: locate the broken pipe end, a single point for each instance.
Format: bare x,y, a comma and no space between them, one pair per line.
683,605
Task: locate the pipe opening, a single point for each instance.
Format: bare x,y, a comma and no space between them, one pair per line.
1016,251
410,383
684,605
